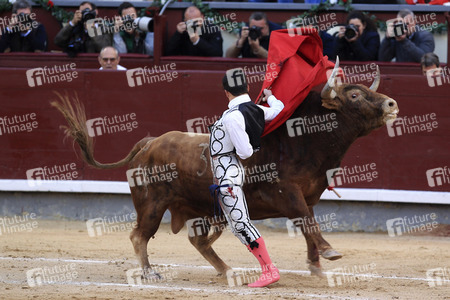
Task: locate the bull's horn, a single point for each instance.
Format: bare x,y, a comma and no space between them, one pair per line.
327,91
376,81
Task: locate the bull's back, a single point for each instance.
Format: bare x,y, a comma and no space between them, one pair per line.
187,151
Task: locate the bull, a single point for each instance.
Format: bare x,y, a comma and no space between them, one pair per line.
302,162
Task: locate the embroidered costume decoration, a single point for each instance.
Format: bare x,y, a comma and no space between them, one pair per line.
238,133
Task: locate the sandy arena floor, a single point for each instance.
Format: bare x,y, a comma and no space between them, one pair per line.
95,267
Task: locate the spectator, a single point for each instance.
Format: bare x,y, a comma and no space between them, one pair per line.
23,33
109,59
256,43
433,71
359,40
404,40
429,61
74,37
131,39
195,36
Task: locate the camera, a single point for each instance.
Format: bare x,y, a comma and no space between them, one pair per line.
127,21
87,14
350,31
254,32
24,19
400,29
144,23
194,24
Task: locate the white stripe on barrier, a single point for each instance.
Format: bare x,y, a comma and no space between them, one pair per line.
121,187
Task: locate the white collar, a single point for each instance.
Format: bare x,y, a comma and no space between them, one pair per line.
26,33
239,100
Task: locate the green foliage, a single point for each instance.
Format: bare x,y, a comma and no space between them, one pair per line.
5,5
324,7
151,10
440,28
60,14
225,24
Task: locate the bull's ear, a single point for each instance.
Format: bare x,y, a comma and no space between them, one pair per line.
333,104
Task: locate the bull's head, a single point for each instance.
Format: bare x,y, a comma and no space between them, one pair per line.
358,102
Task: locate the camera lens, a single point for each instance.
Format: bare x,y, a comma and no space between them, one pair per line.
350,31
144,23
88,14
255,33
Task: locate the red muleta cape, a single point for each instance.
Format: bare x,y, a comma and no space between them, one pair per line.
300,65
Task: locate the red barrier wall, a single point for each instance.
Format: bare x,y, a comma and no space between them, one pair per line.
401,161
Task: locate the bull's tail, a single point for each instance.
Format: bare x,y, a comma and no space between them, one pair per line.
76,118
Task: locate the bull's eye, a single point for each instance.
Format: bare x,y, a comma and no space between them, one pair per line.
354,95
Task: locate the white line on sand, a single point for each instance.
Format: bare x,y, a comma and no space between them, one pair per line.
87,261
210,290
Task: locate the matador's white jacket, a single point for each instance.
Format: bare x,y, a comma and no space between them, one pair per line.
228,133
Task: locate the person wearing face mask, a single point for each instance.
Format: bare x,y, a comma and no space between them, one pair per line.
358,40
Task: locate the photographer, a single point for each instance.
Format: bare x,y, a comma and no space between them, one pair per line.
74,37
404,40
359,40
195,36
23,33
254,39
130,39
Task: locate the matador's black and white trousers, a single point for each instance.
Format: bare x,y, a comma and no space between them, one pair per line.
228,172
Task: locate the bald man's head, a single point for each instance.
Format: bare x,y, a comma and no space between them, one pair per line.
192,12
109,49
109,58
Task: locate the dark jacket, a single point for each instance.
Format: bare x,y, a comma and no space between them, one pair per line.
210,43
363,49
70,34
35,40
328,44
410,49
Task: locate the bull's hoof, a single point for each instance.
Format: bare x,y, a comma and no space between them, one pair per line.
331,254
315,270
223,273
